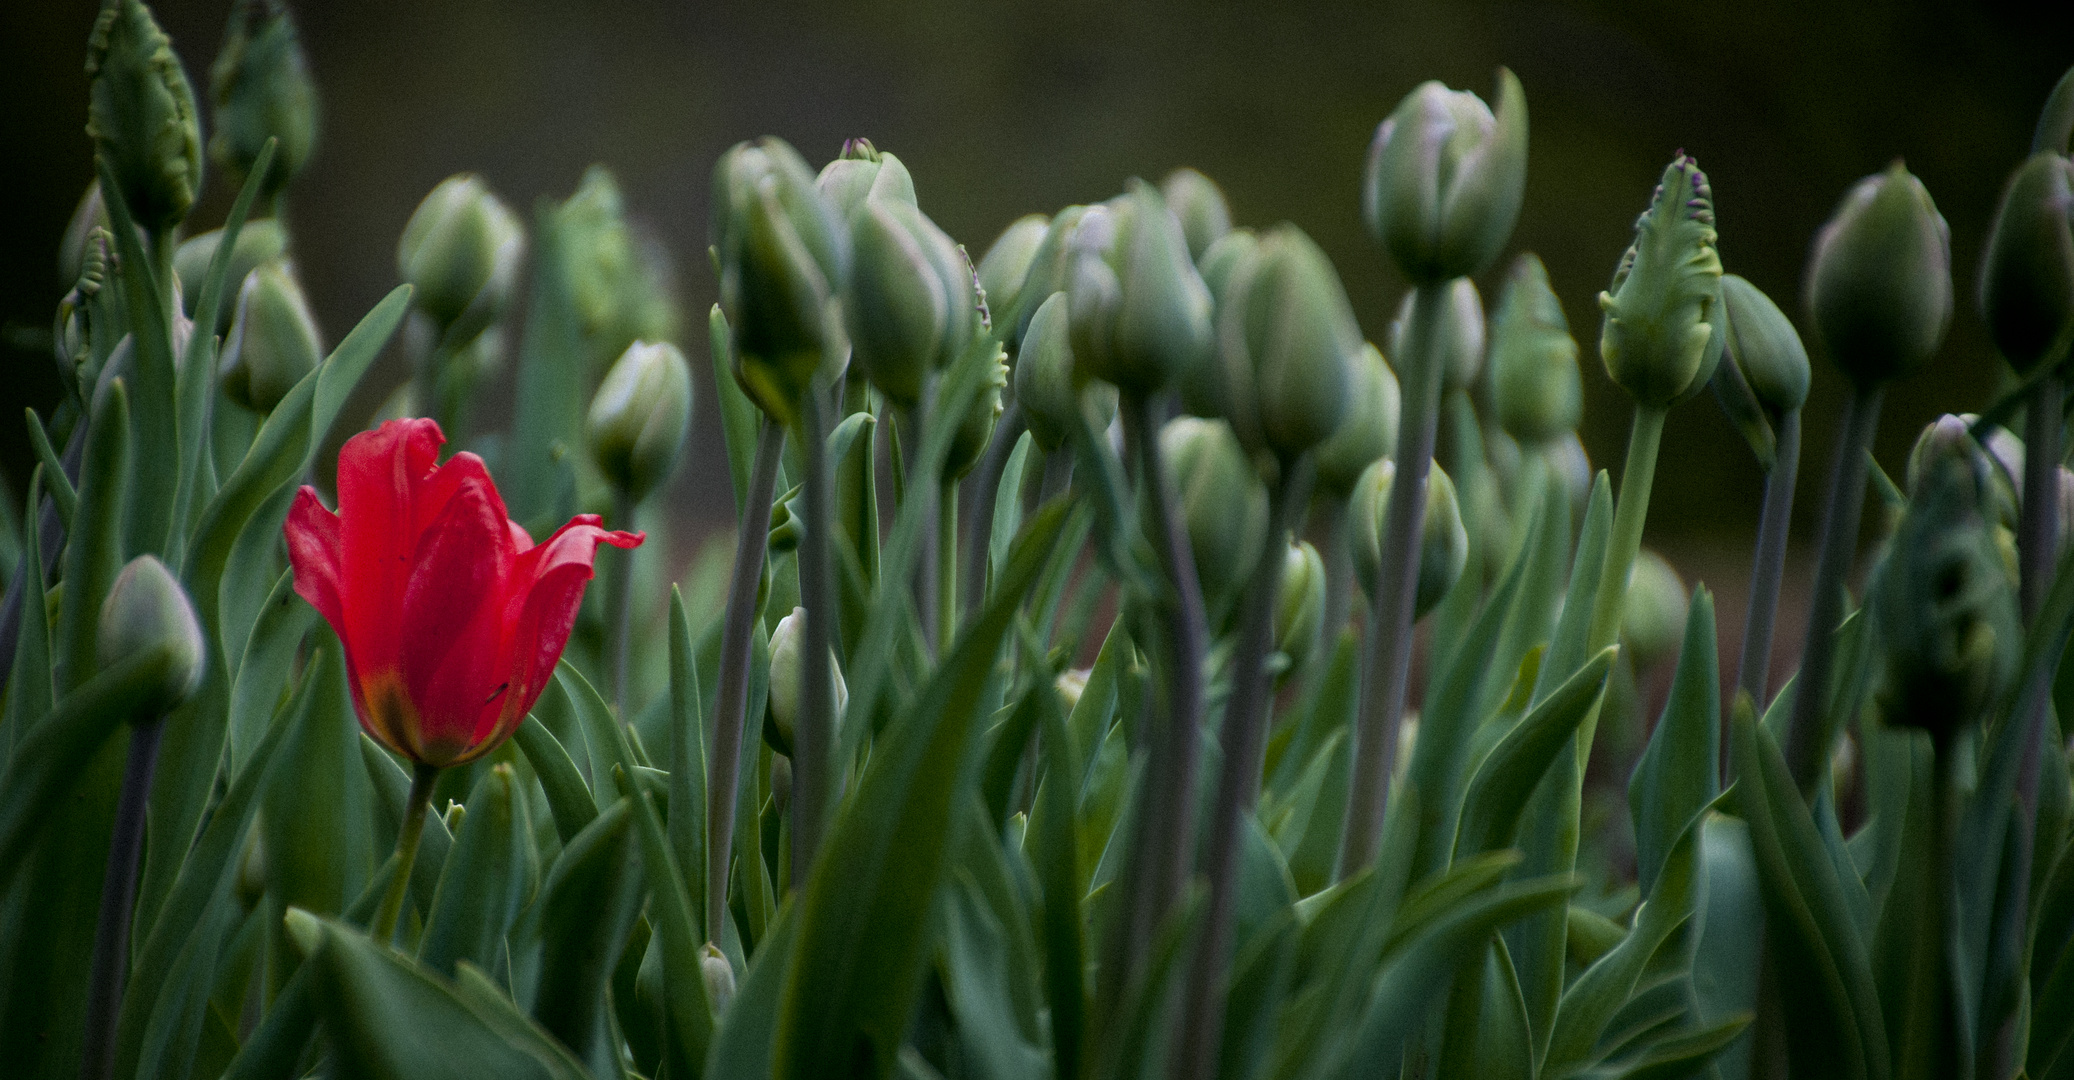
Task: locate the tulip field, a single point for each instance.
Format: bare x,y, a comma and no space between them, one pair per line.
1122,664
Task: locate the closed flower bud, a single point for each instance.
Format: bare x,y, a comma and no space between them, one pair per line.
783,255
1443,543
1662,335
1198,204
1536,387
1652,619
1049,269
1006,265
1462,336
1368,432
1567,457
1300,603
976,427
259,242
1879,282
1997,465
1765,375
860,173
1223,502
911,305
79,244
1048,385
141,115
460,253
785,679
147,609
719,976
252,869
1445,179
1202,387
273,341
1286,343
640,416
2027,272
1140,312
1070,683
261,88
618,284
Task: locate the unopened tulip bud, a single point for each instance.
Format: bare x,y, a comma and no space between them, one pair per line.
1536,387
719,976
273,341
783,255
1049,387
976,427
460,253
1140,312
1223,502
640,416
260,241
1198,203
1879,282
1460,345
2027,272
1300,603
1997,464
785,677
1049,271
252,869
1662,335
1287,341
1006,265
261,88
1443,544
1203,387
141,115
77,246
618,284
1070,683
1764,346
1445,179
863,172
1567,457
1652,620
147,609
1368,432
911,305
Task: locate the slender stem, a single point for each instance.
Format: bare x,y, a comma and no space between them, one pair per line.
986,488
947,565
1244,739
1058,473
1808,734
386,916
1769,567
1629,513
1388,674
815,732
731,704
619,605
111,962
923,487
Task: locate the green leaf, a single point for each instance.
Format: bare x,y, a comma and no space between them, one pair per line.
738,416
1513,770
31,694
93,549
1678,1056
1487,1035
391,789
263,673
318,852
63,498
1724,965
583,914
978,972
275,1050
1008,503
568,797
742,1047
687,818
1680,769
151,370
487,878
553,377
1054,844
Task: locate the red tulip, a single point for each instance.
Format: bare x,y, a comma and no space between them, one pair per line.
451,616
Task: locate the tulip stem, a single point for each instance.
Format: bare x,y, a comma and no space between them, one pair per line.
731,703
391,911
815,728
919,486
1630,512
118,894
986,487
619,605
1391,608
1768,568
1243,737
947,565
1058,474
1808,734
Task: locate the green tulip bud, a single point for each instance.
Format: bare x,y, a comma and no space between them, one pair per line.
1652,619
261,88
719,976
1287,340
1140,312
460,252
1300,603
1567,458
783,256
1764,347
1198,203
976,427
146,608
1997,464
1049,387
1443,543
1202,387
1070,684
1445,179
259,242
2027,272
911,305
1536,387
1006,265
141,115
1048,271
1944,606
617,284
250,886
273,341
860,173
1368,432
783,701
640,416
1223,503
1662,334
1879,282
78,244
1461,338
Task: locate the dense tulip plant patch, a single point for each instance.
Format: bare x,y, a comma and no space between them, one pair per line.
382,792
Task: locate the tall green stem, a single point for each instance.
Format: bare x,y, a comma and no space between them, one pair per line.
1630,512
118,895
1808,736
986,487
386,916
947,565
919,486
812,748
619,605
731,703
1753,670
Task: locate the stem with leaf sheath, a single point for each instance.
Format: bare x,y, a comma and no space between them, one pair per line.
1753,671
986,487
1630,511
386,916
118,895
815,733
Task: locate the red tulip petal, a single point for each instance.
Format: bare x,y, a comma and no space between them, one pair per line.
378,474
453,614
547,589
314,551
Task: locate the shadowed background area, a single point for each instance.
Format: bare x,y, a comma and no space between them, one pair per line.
1001,109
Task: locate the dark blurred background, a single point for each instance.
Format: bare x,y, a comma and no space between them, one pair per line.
1004,108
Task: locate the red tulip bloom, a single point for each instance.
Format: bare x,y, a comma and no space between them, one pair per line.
451,616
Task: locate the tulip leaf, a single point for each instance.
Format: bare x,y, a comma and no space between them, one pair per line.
486,879
1008,504
687,803
1680,770
93,549
152,369
391,788
64,499
1054,844
738,416
743,1044
313,817
264,671
582,916
568,797
275,1049
1510,773
31,694
1731,920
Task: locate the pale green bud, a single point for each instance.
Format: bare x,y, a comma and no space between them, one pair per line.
1300,603
1223,502
1140,312
1070,684
618,284
78,244
1048,385
1997,464
1445,179
1006,265
141,115
1567,458
460,253
146,608
1662,334
719,976
1287,341
863,172
976,427
273,341
1879,282
2027,271
640,416
261,89
783,256
1652,619
1536,387
259,242
1202,387
1443,539
785,687
911,304
1048,272
1368,432
1766,374
1460,347
1198,203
